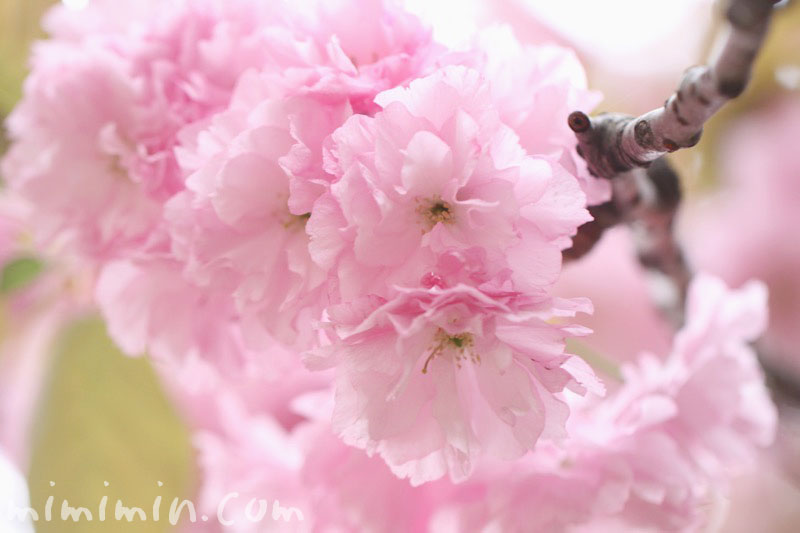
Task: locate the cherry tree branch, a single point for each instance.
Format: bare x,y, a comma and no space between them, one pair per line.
646,189
613,143
618,147
647,200
652,221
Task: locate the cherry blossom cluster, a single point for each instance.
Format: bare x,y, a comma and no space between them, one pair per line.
338,240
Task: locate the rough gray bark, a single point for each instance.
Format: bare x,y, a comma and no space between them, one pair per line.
647,200
652,221
646,190
617,147
613,143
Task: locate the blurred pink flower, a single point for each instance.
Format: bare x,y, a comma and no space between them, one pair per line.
265,385
759,197
150,308
655,454
625,321
232,227
358,48
536,96
334,487
95,131
265,435
64,160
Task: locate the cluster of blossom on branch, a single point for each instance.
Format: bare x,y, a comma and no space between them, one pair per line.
338,240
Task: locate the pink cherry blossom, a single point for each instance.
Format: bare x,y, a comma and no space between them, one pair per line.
761,209
332,486
232,227
150,308
614,261
339,243
95,132
438,376
242,469
437,169
356,49
242,423
707,402
265,385
655,454
266,436
535,97
62,163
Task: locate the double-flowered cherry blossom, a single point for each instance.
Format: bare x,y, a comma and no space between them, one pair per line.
536,96
443,237
150,308
96,128
232,228
441,374
356,49
264,444
653,456
320,483
142,89
338,241
658,452
437,169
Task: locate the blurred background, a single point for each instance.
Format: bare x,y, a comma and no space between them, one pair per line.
96,417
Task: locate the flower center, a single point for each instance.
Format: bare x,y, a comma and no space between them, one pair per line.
296,221
117,168
459,347
433,211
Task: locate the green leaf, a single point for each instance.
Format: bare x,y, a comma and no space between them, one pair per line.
19,273
19,27
106,419
599,362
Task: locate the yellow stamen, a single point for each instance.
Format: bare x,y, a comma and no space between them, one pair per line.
459,346
434,211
